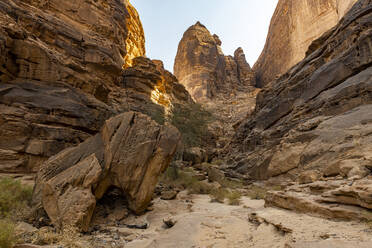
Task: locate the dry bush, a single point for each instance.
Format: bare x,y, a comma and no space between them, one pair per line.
14,197
69,237
234,198
220,194
7,235
258,193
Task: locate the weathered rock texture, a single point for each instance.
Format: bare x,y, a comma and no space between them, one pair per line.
315,119
62,75
295,24
129,153
204,70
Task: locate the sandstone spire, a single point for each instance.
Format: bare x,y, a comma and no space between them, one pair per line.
204,70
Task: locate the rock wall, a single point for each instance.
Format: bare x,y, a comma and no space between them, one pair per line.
66,67
294,25
311,129
315,115
204,70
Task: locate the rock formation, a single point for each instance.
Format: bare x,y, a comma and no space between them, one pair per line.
313,123
295,24
129,153
204,70
66,67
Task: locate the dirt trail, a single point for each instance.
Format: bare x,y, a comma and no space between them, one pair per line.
203,224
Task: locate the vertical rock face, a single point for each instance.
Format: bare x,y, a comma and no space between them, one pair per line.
315,117
66,67
204,70
312,126
295,24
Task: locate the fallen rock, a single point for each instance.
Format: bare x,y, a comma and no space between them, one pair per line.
195,155
169,195
308,177
24,228
169,222
129,153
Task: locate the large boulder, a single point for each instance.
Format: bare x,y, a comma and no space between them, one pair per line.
129,153
294,25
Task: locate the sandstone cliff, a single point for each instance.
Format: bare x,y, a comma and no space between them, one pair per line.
294,25
204,70
66,67
313,123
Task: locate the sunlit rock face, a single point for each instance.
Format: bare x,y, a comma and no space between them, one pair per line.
294,25
65,68
204,70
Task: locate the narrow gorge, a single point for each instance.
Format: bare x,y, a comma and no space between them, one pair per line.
101,146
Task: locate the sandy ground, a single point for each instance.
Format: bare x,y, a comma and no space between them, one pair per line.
204,224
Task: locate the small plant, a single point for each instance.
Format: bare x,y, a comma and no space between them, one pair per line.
68,238
220,194
14,197
234,198
7,234
258,193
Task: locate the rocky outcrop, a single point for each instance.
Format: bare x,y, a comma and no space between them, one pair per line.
315,119
336,199
204,70
65,68
294,25
129,153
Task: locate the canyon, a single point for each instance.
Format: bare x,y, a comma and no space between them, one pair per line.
130,155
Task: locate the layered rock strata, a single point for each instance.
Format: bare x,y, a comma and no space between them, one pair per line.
129,153
294,25
204,70
66,67
313,123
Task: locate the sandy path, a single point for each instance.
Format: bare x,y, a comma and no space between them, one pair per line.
203,224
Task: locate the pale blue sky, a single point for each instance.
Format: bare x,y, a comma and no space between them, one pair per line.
242,23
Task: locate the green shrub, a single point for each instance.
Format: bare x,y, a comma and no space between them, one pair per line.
192,121
14,197
158,115
177,178
7,234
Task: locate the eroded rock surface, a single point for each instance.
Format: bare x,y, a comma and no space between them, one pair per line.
204,70
294,25
129,153
65,68
314,121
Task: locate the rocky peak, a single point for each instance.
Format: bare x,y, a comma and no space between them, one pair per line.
294,25
204,70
